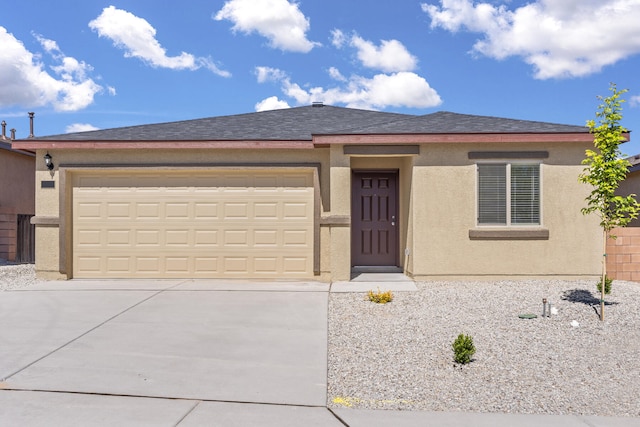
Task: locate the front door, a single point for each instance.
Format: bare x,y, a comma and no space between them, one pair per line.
374,218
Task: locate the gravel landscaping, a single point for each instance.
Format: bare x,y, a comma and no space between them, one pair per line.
399,355
15,276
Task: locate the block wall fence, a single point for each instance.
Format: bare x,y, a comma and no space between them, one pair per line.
623,254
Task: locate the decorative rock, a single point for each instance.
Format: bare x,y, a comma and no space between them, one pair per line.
400,357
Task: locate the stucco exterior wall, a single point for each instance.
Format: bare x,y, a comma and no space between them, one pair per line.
340,202
437,207
50,222
444,206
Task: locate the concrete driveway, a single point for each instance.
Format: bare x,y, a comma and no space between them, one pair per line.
164,353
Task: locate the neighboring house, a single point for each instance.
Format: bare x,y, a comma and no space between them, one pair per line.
17,201
631,184
623,252
316,192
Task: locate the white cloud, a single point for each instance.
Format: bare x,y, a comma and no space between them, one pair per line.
560,39
634,101
390,56
402,89
138,39
268,74
50,46
211,66
112,90
335,74
25,82
280,21
80,127
338,38
271,103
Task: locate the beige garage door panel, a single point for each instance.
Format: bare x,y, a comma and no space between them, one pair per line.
208,225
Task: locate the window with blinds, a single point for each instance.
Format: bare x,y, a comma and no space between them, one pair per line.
508,194
492,194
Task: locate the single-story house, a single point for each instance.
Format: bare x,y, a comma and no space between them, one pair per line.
315,192
17,201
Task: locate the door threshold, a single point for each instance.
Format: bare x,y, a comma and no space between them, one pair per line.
359,269
366,272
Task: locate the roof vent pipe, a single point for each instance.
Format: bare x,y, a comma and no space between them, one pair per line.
31,135
13,134
317,104
4,130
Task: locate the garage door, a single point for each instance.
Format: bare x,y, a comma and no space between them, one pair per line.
227,223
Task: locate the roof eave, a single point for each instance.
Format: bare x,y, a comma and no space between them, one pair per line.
452,138
173,145
8,146
318,140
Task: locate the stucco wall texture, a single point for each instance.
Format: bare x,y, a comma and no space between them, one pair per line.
437,207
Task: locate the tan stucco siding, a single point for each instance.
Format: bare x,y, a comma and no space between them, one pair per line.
437,206
444,210
340,202
54,250
153,158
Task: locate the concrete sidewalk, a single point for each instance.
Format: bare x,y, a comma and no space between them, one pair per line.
187,353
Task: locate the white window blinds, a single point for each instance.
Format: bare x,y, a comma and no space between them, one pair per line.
508,194
492,192
525,194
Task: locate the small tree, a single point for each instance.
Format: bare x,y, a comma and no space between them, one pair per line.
605,169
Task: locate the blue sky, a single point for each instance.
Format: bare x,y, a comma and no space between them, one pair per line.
82,65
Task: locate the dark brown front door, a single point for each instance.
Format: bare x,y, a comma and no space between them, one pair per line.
374,218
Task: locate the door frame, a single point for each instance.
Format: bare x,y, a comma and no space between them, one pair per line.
396,243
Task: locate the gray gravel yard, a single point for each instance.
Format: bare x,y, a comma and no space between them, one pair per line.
14,276
399,356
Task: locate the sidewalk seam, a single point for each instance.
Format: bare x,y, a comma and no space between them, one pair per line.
197,403
344,423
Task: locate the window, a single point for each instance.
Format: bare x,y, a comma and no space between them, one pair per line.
508,194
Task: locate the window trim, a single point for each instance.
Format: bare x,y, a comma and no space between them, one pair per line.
508,225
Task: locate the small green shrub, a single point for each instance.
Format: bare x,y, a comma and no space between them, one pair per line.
607,285
380,297
463,349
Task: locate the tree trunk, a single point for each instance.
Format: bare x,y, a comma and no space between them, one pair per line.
605,236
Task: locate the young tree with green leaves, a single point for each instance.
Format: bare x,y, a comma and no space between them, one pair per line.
605,169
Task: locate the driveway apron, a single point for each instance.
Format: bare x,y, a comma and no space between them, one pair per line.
189,340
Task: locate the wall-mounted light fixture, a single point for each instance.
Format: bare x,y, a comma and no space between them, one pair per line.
48,162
